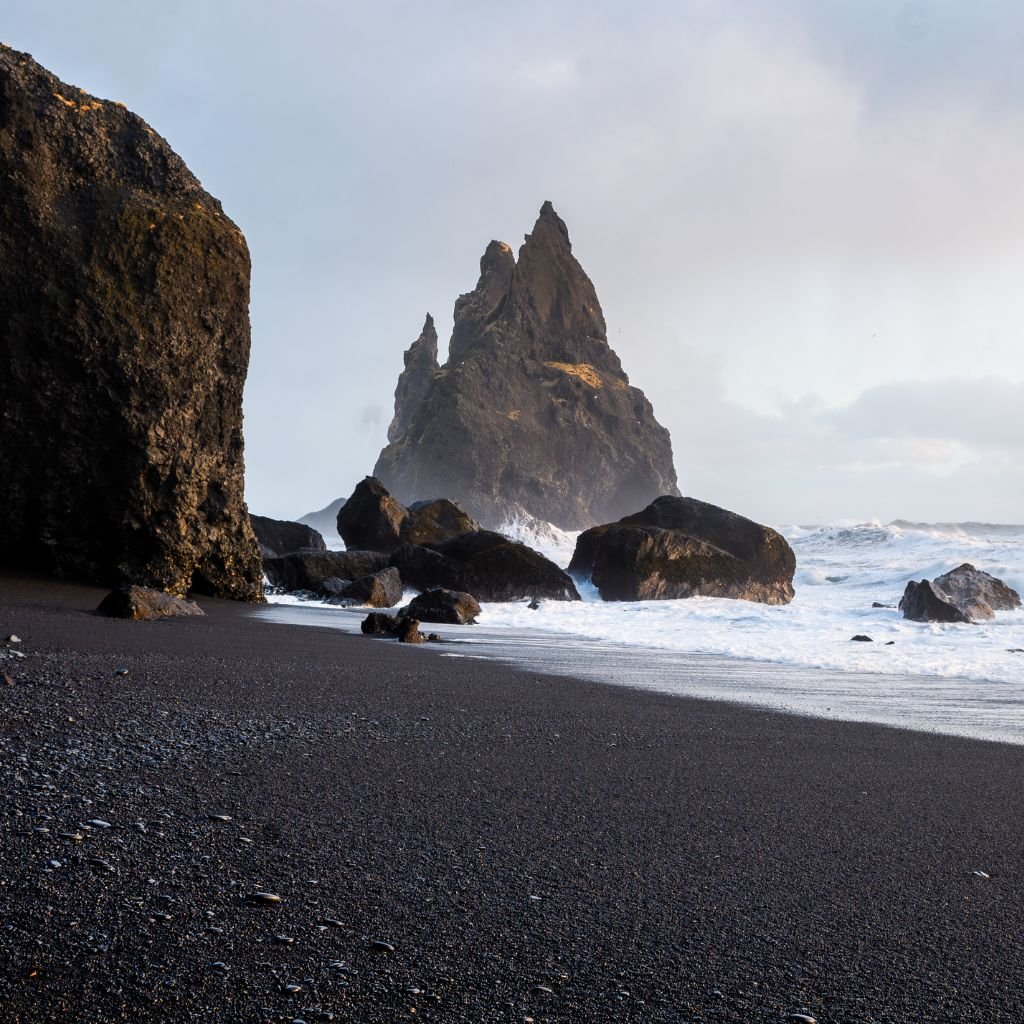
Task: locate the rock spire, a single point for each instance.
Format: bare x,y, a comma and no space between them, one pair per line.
532,412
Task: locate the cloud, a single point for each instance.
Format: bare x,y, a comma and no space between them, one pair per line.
802,219
948,450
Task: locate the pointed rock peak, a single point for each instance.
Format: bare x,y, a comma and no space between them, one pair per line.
549,227
496,265
420,366
474,309
424,349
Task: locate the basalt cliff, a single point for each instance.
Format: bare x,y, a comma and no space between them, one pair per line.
124,346
532,412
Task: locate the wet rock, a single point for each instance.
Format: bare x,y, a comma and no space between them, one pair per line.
923,602
280,537
307,570
379,946
145,604
977,593
374,520
124,292
964,594
487,565
440,605
380,624
681,547
380,590
862,638
878,604
408,632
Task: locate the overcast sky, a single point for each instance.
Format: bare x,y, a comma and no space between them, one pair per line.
804,219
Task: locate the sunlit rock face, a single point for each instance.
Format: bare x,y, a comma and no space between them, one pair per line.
124,346
532,412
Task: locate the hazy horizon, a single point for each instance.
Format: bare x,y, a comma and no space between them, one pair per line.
803,225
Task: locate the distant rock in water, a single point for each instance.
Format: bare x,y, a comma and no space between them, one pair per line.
532,412
124,346
281,537
325,521
372,520
681,547
963,594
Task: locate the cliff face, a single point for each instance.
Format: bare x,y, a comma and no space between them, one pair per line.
124,346
532,411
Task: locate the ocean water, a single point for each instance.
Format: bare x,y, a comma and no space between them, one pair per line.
957,678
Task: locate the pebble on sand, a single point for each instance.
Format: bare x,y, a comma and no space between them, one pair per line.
263,899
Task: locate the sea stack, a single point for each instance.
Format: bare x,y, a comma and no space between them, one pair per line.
532,413
124,346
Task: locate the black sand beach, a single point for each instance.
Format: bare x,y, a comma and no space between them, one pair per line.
531,847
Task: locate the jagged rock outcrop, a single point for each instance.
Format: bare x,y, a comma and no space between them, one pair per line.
964,594
415,380
485,564
280,537
532,412
372,520
307,570
681,547
124,346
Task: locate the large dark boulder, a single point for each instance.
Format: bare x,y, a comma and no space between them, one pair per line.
380,590
308,570
124,346
439,605
532,412
964,594
144,603
280,537
372,519
487,565
975,588
379,624
922,601
681,547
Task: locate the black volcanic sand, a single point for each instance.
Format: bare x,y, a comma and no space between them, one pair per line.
532,848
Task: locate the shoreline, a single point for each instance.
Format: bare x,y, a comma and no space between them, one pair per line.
692,860
983,709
